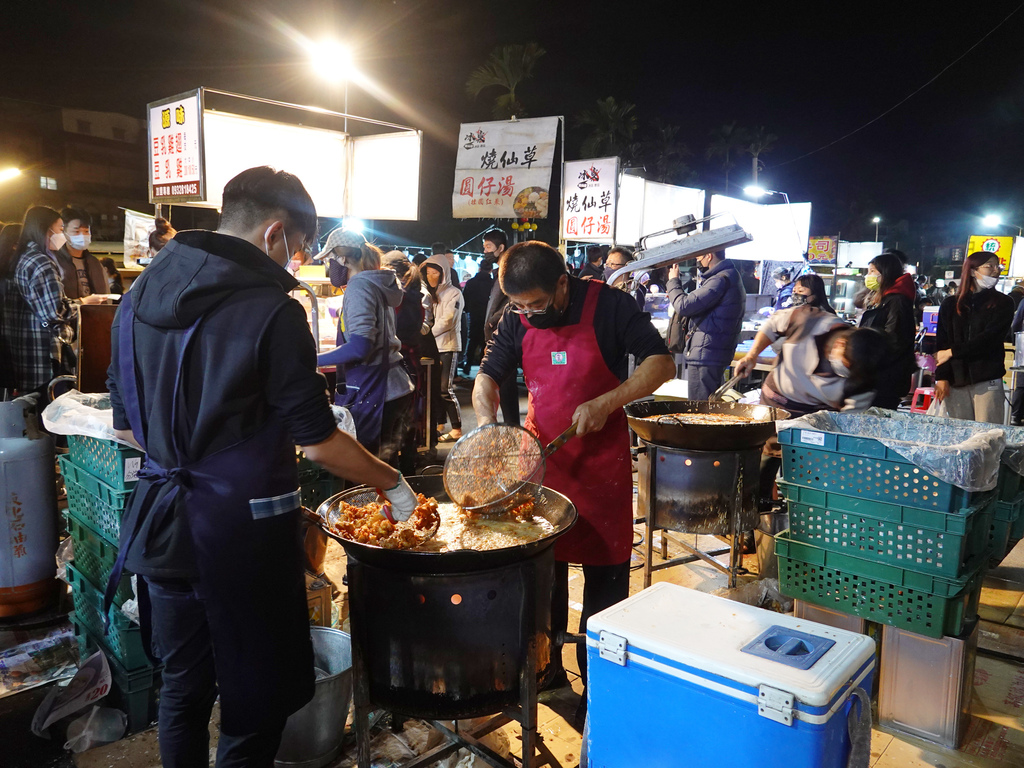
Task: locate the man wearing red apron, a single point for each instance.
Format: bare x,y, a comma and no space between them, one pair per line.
573,339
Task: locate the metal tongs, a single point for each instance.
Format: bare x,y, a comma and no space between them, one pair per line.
718,394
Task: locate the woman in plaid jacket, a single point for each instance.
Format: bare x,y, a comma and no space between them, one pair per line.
37,315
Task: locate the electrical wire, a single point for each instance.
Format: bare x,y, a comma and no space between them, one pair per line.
904,100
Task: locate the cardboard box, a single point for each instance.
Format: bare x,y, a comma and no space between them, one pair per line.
318,600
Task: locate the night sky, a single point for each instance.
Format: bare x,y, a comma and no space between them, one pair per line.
950,153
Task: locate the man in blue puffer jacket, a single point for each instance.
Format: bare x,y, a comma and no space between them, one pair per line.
714,314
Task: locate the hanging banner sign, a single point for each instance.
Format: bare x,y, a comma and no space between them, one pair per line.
589,200
822,250
999,246
503,169
176,170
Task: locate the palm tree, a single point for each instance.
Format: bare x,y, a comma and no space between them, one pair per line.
612,125
727,141
507,67
759,141
665,155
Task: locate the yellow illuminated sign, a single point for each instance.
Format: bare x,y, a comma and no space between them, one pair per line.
998,246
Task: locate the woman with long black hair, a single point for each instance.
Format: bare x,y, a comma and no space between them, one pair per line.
37,315
810,289
969,343
890,309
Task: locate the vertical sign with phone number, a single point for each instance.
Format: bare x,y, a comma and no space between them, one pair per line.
176,170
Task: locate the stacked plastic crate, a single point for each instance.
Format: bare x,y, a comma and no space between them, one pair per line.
99,476
874,535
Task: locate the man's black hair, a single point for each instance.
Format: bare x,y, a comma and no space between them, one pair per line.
626,253
594,253
419,258
496,236
69,214
438,248
258,194
528,266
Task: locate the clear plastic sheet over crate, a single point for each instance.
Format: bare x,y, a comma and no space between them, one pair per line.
962,453
1013,454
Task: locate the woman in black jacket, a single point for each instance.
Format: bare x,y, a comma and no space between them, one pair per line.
891,311
969,343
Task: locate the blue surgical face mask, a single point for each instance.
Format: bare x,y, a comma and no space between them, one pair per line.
839,368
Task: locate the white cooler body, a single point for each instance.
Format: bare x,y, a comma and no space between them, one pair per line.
669,684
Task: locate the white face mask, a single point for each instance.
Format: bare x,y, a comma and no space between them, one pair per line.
985,281
57,241
79,242
838,366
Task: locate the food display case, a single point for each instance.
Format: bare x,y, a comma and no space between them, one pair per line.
848,283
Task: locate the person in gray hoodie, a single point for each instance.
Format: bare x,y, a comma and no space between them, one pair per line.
377,390
446,304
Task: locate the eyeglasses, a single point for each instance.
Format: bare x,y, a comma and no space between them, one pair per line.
528,310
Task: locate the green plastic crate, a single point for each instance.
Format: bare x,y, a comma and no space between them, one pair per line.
101,513
1007,514
135,692
933,606
94,558
942,543
115,464
93,484
123,639
316,484
864,467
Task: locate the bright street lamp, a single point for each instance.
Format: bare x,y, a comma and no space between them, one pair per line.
755,191
333,62
9,173
994,220
876,221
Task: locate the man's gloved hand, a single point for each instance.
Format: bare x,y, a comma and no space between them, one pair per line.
401,501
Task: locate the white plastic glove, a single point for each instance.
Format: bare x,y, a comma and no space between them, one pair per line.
401,501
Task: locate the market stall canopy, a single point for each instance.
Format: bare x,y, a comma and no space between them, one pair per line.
196,150
648,206
780,232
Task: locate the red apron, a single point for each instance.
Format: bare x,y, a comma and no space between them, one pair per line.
564,368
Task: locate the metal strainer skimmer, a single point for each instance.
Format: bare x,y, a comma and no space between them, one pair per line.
489,469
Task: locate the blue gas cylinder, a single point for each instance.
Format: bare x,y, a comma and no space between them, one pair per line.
28,521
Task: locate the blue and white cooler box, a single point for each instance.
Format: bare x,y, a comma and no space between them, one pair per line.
679,677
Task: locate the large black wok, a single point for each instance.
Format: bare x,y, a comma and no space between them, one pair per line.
551,505
703,437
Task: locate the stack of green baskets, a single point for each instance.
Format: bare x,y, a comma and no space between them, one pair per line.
99,476
873,535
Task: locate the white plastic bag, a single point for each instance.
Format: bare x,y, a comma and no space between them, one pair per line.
102,725
76,413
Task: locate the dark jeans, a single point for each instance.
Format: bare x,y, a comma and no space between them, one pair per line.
703,380
475,347
394,425
1017,406
603,587
181,638
508,399
449,402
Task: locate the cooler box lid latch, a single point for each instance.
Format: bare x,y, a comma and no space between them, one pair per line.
775,705
612,648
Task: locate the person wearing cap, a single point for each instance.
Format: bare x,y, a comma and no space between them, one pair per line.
375,386
784,288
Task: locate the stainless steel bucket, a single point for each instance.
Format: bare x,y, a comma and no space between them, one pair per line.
312,736
764,538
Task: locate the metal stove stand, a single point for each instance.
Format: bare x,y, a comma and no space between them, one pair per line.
680,490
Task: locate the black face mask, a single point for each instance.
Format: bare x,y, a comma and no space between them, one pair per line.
798,300
338,274
702,269
549,318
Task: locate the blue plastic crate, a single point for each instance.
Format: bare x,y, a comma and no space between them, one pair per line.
864,467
